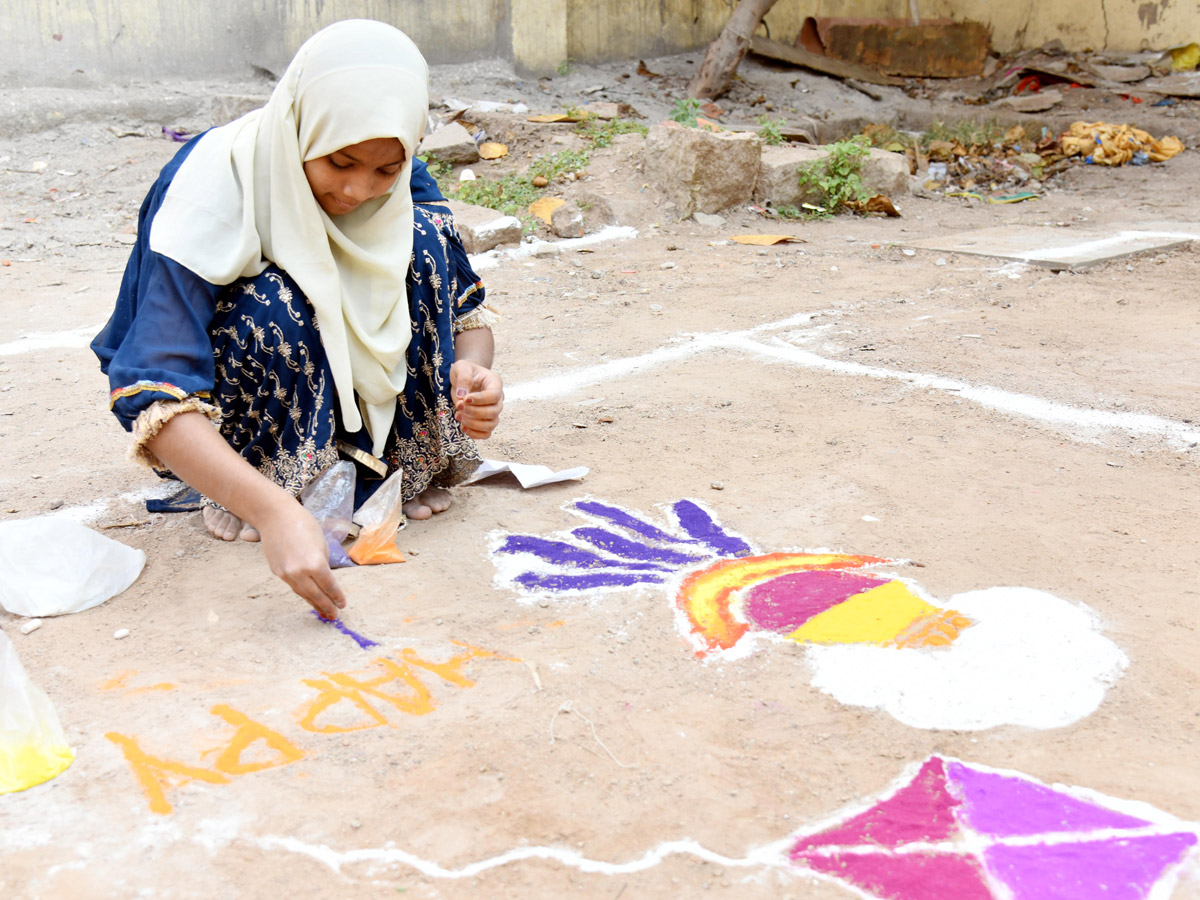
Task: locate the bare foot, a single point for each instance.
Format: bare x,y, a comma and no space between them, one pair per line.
425,504
223,524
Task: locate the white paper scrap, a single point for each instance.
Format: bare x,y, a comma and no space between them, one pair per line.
530,476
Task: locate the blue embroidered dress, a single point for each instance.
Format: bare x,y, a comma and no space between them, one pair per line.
248,355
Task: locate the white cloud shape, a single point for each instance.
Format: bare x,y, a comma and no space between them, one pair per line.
1030,659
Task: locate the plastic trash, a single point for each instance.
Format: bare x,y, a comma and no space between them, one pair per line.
379,519
33,746
938,171
330,498
52,566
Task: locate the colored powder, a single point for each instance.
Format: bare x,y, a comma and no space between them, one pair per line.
921,811
564,554
535,581
1004,806
701,526
1115,869
873,617
912,876
617,545
787,602
619,517
363,642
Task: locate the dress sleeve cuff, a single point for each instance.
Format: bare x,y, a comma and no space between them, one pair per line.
151,420
480,317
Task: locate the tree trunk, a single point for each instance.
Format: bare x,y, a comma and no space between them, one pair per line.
721,60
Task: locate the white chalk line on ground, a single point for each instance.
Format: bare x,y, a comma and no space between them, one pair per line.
51,340
773,855
492,258
1011,402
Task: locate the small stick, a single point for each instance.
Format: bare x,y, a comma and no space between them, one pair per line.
538,682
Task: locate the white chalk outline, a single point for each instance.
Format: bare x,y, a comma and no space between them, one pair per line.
776,348
776,854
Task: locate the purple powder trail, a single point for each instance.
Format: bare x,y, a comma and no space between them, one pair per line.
365,643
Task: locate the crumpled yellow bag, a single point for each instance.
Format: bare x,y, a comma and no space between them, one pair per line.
33,746
1106,144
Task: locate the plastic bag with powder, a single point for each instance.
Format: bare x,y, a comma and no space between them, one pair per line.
330,499
379,519
33,746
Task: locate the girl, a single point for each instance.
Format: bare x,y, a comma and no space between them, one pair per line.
297,282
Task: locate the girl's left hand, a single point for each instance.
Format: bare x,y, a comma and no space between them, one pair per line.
478,395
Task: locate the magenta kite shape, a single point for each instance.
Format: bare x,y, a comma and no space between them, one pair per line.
1117,869
1003,806
922,810
965,832
788,601
914,876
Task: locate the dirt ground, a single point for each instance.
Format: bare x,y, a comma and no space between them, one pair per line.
579,732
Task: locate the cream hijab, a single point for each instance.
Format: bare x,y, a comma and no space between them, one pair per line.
241,201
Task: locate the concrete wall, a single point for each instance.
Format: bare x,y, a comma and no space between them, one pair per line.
49,42
614,29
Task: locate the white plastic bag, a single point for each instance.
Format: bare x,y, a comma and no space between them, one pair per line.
33,746
50,566
330,499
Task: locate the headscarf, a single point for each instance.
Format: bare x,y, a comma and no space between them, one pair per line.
241,201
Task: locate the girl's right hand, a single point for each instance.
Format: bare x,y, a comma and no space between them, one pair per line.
297,553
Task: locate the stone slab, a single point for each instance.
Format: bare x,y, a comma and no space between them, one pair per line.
1064,248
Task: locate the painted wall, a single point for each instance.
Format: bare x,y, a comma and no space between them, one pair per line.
98,41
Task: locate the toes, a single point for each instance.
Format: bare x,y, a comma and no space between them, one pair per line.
436,499
415,509
249,533
222,524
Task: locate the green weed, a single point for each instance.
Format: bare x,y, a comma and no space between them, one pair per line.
601,132
837,179
685,111
771,130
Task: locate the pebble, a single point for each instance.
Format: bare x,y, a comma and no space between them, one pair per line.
762,251
543,602
56,504
940,261
908,252
540,181
667,265
655,307
467,175
437,621
121,633
31,626
414,552
356,824
717,486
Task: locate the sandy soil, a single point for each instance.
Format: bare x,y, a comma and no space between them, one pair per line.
589,725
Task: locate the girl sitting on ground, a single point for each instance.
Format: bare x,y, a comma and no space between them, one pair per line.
298,281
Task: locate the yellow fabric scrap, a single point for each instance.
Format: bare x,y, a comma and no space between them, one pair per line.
766,240
1114,145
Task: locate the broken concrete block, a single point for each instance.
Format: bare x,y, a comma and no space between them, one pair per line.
567,221
702,170
882,173
451,143
483,229
227,107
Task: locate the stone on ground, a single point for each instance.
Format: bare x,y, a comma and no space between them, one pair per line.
451,143
701,170
483,229
567,221
883,173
